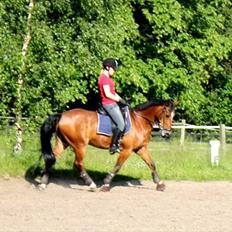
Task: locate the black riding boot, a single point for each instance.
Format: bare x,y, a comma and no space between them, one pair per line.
115,145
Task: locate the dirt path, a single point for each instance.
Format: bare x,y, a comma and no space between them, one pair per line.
69,206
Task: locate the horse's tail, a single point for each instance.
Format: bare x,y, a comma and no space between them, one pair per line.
46,131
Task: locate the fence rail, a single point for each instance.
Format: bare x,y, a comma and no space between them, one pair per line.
221,129
183,126
188,126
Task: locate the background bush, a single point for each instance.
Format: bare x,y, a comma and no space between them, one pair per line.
167,49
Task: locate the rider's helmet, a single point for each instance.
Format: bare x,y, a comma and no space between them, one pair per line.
110,62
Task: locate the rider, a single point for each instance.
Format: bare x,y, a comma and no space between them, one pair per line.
109,100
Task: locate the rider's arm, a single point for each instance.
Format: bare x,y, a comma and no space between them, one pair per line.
109,95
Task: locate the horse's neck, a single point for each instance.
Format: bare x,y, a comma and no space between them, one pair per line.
143,118
149,113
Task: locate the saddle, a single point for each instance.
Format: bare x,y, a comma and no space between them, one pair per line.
106,125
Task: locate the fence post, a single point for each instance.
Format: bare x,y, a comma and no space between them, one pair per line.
182,132
223,136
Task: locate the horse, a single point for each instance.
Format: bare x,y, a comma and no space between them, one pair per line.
78,128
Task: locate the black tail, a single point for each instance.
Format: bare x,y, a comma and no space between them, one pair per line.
46,132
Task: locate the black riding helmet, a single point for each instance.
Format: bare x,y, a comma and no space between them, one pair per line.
110,62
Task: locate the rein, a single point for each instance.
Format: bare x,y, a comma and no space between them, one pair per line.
147,119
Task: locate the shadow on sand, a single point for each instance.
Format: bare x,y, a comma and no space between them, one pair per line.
71,178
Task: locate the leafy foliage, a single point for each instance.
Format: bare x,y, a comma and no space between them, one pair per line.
167,49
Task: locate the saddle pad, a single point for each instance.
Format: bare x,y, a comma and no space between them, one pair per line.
105,125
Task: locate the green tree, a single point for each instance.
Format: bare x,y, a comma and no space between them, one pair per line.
184,47
167,49
10,54
70,39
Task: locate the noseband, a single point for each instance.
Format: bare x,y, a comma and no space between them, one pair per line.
164,131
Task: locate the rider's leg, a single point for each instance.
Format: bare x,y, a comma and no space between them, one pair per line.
116,116
115,144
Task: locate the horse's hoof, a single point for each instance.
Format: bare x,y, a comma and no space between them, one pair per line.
44,179
42,186
105,188
92,187
160,186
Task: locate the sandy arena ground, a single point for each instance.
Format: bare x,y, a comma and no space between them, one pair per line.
67,205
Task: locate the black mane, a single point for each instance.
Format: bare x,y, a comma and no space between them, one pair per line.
155,103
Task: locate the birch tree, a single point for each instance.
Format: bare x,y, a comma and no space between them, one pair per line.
26,42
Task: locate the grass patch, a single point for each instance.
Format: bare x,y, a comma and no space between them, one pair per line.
173,162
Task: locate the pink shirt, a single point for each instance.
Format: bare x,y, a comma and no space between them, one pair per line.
104,80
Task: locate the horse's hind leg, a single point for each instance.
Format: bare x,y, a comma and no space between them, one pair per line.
80,152
59,147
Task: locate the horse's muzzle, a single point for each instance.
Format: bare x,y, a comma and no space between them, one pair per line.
166,133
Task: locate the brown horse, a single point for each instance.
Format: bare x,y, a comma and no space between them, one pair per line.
78,128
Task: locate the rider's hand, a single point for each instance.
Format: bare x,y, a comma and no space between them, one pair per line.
123,102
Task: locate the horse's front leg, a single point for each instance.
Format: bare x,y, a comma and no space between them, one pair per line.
145,155
80,152
123,155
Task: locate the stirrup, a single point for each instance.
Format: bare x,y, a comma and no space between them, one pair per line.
114,149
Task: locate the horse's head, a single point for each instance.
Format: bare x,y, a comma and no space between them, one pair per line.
165,117
158,112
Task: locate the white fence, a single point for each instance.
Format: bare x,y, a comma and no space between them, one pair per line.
221,129
183,126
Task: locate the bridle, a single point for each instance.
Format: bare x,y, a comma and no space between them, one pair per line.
163,115
165,132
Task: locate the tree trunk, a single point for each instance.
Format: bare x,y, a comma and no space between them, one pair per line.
26,42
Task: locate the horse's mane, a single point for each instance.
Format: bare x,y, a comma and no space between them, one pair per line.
150,103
